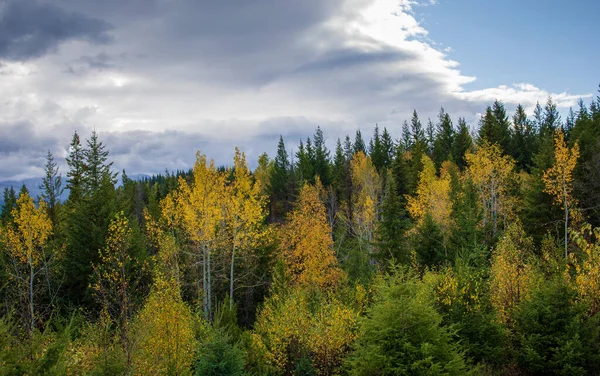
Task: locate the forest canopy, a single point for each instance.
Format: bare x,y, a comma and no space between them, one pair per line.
446,249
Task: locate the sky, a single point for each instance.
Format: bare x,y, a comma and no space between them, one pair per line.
160,79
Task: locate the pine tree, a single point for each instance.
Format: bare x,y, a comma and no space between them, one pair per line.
10,202
407,137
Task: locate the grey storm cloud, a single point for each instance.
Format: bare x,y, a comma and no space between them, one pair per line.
30,28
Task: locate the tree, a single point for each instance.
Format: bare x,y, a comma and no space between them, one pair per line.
523,140
116,278
307,245
164,332
96,166
511,274
200,212
10,202
322,164
280,178
403,334
359,144
76,163
444,139
26,239
244,213
559,178
51,186
432,197
494,127
492,174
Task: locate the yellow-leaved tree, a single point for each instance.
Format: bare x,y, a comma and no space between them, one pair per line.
290,329
558,179
116,278
511,274
307,245
587,270
432,196
366,195
492,173
164,328
199,211
26,238
244,215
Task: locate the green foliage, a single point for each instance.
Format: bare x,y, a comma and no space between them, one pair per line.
403,334
218,357
553,335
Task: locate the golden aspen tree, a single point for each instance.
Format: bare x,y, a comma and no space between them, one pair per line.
492,173
558,179
25,241
114,280
307,245
245,213
367,193
432,196
587,270
511,274
201,212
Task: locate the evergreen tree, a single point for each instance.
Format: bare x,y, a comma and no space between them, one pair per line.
51,186
75,175
495,127
322,163
463,142
392,226
280,179
304,166
430,133
523,140
96,167
10,202
444,139
551,120
359,144
406,141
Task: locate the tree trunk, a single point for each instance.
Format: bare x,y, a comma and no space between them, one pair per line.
31,307
231,280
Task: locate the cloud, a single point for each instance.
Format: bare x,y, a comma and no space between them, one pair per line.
181,75
30,28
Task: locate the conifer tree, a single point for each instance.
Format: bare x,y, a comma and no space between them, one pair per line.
463,142
51,186
444,139
359,144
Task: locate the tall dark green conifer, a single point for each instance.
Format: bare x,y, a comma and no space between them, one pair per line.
463,142
322,163
523,140
444,139
359,144
51,186
76,163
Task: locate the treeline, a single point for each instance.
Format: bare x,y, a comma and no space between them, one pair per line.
439,252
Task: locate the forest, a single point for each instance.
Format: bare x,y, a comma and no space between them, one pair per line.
446,249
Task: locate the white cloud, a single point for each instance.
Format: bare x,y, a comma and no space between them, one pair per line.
241,73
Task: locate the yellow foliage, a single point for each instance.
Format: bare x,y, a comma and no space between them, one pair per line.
287,325
558,179
432,196
307,244
492,173
587,271
32,227
511,276
164,333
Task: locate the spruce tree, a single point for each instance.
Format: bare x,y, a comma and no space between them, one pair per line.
322,163
444,139
463,142
51,186
359,144
76,163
